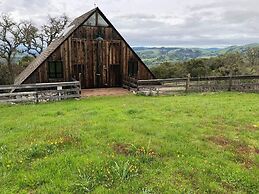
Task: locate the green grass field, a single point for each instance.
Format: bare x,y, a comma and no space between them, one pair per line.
132,144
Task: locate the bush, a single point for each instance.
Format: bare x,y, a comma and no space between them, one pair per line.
5,76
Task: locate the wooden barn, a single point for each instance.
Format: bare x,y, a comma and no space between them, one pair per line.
90,47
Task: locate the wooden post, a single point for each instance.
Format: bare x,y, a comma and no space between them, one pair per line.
198,84
80,86
137,86
37,97
230,82
188,82
80,78
59,89
209,84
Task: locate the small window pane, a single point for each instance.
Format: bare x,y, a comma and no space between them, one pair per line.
91,21
52,67
59,67
101,21
55,69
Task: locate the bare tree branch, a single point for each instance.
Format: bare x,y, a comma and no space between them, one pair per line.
36,40
252,55
31,39
10,39
53,28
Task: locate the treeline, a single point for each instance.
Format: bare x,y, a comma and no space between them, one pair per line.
246,63
24,38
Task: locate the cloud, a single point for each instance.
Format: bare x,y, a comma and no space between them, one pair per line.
165,22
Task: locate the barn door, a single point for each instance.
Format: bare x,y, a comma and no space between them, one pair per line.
98,68
100,64
107,64
115,67
115,75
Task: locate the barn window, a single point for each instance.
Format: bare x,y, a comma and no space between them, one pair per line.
55,69
96,20
132,68
101,21
91,21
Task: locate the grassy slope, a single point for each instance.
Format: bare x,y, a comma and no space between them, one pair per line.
155,56
132,144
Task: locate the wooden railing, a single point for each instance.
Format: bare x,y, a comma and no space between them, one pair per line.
199,84
40,92
130,82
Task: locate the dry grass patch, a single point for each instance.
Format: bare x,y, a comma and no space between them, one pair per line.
143,154
243,152
123,149
220,140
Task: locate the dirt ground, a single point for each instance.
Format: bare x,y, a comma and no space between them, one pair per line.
104,92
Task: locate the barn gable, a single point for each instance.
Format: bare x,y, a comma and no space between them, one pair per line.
92,47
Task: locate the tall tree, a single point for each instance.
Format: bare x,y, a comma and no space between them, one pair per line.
252,56
36,39
10,39
53,28
197,67
232,64
33,40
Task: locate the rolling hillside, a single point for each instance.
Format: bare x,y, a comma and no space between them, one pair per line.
154,55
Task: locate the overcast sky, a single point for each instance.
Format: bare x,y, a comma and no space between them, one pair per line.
185,23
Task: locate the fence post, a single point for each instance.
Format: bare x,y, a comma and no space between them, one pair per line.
37,97
230,82
80,78
188,82
80,85
59,89
198,84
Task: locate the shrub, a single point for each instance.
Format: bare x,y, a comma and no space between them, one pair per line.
5,76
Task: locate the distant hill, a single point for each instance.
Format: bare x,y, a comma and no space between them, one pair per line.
155,55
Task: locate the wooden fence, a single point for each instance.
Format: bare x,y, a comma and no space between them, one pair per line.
40,92
130,83
199,84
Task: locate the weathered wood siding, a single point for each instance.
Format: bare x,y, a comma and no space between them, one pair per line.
102,63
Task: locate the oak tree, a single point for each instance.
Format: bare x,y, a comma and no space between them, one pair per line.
10,40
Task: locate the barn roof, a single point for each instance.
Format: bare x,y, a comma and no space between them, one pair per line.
52,47
56,43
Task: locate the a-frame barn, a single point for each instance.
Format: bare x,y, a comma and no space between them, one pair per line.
90,47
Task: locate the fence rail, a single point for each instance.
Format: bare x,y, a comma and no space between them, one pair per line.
40,92
199,84
130,82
